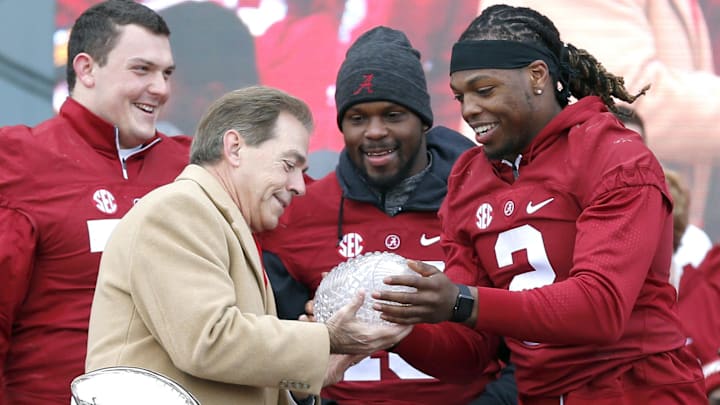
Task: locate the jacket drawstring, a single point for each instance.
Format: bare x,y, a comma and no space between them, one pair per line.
514,165
340,219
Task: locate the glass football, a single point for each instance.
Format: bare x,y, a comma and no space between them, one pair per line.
364,272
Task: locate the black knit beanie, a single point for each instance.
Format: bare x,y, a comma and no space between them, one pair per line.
382,65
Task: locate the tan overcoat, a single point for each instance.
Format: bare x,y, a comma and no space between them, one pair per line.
181,291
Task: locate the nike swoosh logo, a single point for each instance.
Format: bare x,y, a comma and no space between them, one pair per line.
425,241
531,209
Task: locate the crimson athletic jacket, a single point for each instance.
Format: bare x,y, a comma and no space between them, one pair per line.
63,187
583,223
340,217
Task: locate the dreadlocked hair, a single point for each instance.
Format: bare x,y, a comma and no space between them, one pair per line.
579,70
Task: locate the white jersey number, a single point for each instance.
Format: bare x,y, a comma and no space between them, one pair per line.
530,239
369,370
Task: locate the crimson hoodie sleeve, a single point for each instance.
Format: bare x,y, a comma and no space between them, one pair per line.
17,252
449,350
603,284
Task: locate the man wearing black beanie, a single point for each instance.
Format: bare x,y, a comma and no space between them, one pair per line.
383,196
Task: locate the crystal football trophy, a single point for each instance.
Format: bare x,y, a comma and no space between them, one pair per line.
362,272
127,386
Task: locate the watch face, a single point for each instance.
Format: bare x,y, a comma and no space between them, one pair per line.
463,304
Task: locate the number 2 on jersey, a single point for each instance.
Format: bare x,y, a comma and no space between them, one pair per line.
529,239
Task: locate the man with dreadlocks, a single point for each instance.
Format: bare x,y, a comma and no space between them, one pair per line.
558,231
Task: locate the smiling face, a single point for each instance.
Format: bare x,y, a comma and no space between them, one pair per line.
271,173
385,141
131,87
500,106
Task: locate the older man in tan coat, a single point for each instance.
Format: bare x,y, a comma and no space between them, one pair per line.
181,289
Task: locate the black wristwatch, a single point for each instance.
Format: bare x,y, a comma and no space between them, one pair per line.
464,304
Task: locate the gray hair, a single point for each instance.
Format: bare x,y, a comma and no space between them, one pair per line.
251,111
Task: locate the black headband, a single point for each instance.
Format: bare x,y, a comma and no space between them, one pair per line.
498,54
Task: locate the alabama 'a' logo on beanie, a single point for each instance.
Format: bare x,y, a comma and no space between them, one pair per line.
366,85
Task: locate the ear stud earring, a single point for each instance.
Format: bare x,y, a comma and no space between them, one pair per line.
538,91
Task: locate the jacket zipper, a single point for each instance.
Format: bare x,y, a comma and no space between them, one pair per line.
123,164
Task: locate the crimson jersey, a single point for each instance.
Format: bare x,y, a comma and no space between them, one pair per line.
339,218
62,190
583,224
699,310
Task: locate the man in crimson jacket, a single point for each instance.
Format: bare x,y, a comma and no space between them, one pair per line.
65,183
